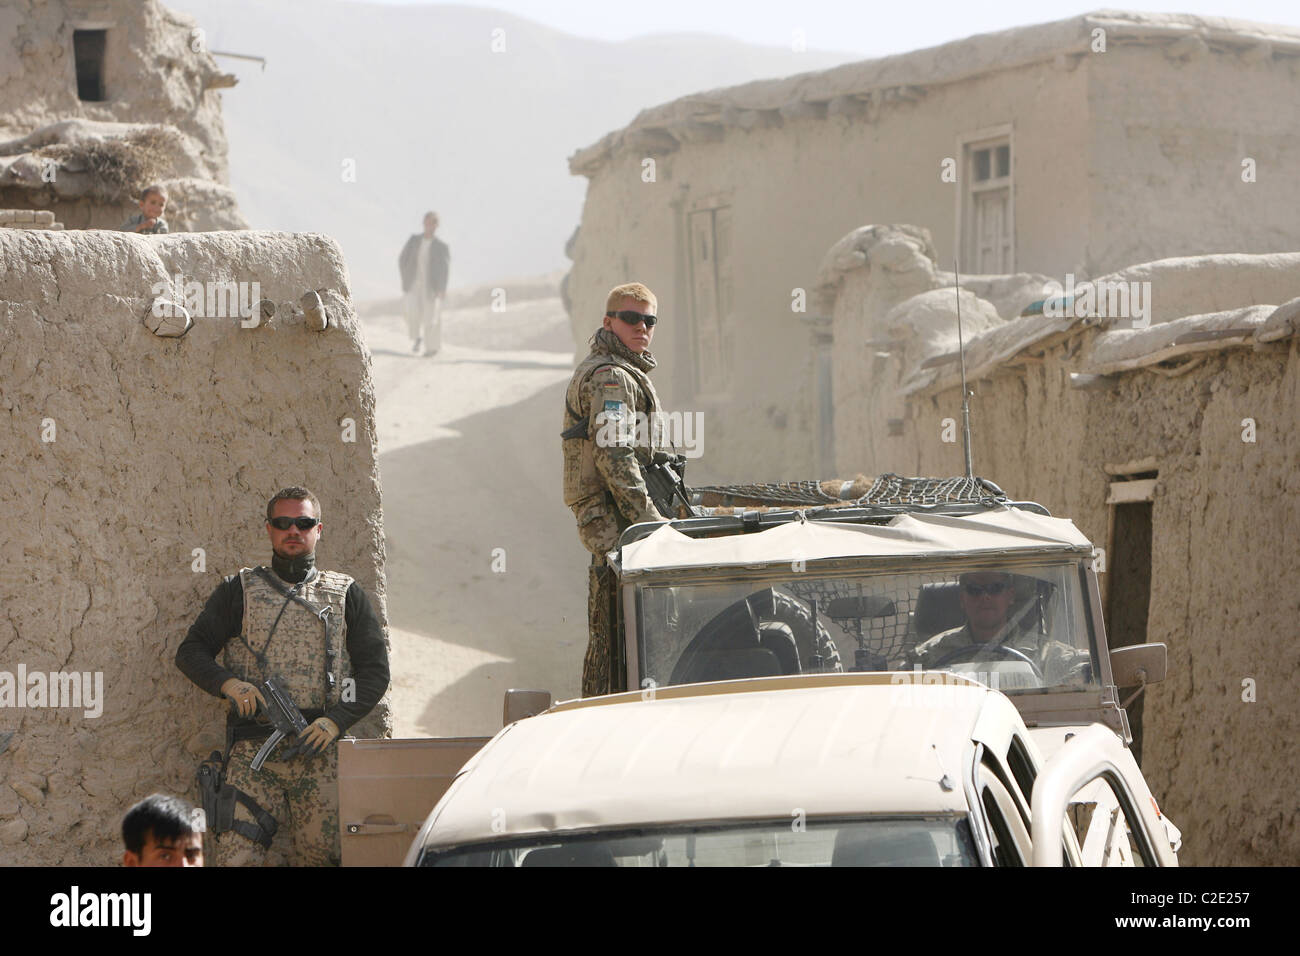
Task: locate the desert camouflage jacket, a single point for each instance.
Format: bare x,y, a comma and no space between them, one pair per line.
611,389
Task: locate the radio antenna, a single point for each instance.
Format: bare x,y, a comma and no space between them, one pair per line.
961,351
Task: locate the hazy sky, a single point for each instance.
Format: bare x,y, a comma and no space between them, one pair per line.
869,27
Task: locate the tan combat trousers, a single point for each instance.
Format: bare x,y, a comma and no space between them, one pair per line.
303,796
603,668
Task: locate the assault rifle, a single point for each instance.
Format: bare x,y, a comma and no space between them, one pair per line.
665,480
285,717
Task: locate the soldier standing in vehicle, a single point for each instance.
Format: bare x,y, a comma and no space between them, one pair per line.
307,628
611,431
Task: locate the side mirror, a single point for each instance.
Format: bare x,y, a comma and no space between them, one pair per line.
1139,664
524,703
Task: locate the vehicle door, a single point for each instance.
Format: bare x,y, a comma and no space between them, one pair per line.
1090,785
1008,754
388,787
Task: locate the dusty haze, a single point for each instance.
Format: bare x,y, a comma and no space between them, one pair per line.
435,119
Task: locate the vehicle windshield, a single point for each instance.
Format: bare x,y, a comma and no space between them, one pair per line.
879,841
1018,629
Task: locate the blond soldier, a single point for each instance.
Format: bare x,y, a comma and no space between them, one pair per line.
313,631
612,428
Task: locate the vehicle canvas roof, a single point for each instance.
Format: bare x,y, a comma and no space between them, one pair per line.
828,745
998,530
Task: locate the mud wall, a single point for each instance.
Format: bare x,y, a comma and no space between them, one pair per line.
1221,435
793,191
193,205
1120,156
1189,154
156,70
134,475
1225,521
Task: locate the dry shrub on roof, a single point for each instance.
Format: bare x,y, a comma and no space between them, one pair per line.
120,168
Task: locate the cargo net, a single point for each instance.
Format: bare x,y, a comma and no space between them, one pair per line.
888,637
887,489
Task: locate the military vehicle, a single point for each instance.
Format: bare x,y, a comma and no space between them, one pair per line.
795,581
845,769
805,586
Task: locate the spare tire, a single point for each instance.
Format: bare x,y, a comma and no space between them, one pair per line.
730,645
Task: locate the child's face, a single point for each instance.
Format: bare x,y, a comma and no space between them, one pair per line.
152,205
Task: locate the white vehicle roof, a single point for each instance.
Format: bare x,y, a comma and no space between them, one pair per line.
826,744
996,531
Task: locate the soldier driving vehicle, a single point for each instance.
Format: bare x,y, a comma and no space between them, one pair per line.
303,658
1005,619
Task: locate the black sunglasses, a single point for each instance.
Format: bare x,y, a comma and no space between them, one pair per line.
975,590
302,524
634,318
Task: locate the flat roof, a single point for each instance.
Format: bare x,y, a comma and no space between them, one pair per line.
905,75
826,744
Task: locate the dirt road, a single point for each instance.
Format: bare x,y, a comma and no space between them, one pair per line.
486,577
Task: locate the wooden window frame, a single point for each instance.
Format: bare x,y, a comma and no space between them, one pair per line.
967,143
712,203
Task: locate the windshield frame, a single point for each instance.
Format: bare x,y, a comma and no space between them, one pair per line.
1074,560
429,854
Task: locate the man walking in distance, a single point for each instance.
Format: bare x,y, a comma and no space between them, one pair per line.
424,264
604,453
315,632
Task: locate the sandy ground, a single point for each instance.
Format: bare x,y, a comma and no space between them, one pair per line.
469,461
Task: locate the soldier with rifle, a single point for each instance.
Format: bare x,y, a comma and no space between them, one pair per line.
615,462
305,645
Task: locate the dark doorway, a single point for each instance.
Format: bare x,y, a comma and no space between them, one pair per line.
88,49
1130,595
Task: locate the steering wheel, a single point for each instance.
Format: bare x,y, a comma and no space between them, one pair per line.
963,655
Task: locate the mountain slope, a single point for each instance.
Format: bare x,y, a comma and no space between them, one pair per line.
432,118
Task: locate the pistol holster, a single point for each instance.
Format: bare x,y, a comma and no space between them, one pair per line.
218,799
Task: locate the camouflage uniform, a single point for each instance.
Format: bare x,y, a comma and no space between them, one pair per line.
308,656
1055,660
604,484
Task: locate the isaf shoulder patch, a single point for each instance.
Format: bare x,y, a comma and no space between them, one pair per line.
613,410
